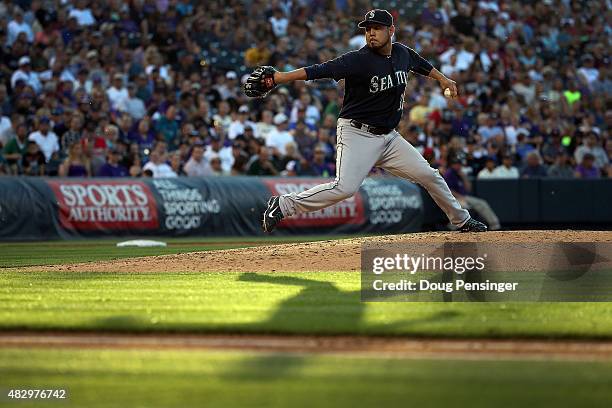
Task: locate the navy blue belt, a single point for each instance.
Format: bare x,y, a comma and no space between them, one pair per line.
370,129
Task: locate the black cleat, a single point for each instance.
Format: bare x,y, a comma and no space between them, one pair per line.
472,225
273,215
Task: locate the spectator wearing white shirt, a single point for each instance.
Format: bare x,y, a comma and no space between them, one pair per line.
279,23
264,127
83,15
487,171
279,138
117,94
46,140
158,166
312,112
506,170
450,67
513,130
197,166
465,58
222,117
588,72
6,130
17,26
26,75
237,126
216,149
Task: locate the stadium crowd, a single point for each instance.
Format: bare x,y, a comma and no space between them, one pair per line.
152,87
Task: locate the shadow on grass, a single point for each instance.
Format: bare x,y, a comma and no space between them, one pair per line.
306,313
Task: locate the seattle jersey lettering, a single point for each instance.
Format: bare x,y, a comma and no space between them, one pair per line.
381,84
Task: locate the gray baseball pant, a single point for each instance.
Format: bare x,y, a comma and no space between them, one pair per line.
357,152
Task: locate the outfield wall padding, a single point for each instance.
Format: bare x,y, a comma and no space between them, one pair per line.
539,201
48,208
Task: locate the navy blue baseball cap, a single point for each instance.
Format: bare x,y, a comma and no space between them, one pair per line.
376,16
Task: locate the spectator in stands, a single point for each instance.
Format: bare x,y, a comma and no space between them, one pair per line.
134,106
264,127
25,74
117,94
167,125
587,169
488,171
562,167
242,121
157,163
506,170
17,26
418,114
461,186
6,130
279,23
45,139
278,138
76,164
262,165
241,158
590,146
216,148
197,166
112,167
176,163
552,148
319,166
144,135
215,166
33,161
523,77
16,148
534,167
82,13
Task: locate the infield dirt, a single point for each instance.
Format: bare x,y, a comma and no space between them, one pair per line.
333,255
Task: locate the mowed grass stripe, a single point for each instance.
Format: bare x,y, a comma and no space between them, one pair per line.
300,303
174,378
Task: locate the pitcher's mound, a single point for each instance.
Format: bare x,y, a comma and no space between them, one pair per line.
333,255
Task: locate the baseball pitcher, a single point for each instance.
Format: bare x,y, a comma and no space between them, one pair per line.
375,79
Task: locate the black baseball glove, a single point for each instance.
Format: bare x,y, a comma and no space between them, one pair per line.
260,82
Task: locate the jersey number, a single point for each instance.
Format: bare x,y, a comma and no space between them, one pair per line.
401,103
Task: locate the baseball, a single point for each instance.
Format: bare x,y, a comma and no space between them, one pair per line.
447,92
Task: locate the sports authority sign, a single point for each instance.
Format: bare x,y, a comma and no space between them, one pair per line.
349,211
42,208
105,205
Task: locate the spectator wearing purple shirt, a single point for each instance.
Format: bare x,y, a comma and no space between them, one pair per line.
319,166
112,168
587,169
431,15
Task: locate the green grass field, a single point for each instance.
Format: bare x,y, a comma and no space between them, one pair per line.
302,302
287,302
131,378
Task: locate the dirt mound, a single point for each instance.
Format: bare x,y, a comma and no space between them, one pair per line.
333,255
